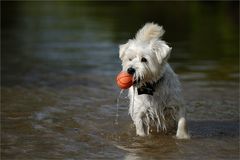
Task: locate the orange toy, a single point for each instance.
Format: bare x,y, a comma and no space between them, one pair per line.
124,80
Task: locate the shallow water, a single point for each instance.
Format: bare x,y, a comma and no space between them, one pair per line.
58,92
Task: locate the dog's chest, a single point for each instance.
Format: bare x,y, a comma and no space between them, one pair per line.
147,103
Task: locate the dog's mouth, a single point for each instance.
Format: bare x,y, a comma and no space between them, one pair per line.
136,81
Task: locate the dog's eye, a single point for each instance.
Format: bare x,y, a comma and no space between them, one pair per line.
143,60
130,59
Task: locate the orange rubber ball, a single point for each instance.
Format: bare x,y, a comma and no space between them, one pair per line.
124,80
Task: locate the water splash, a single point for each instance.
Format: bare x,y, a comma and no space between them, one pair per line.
117,115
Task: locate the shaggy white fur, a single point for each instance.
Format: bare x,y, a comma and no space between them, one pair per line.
146,58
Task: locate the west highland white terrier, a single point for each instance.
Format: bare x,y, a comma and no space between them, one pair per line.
155,97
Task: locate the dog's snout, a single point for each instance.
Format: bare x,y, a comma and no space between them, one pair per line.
131,70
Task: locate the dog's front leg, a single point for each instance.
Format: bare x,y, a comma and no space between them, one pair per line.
140,126
182,130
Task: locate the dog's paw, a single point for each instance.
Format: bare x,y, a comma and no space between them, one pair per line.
141,133
182,131
182,136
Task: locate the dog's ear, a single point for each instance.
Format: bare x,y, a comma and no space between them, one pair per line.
122,50
161,49
150,31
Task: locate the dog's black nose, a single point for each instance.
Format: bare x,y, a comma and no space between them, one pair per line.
131,70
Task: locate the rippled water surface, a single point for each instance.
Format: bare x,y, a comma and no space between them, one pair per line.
58,68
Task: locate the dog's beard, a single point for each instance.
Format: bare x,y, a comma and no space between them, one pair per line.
139,78
142,78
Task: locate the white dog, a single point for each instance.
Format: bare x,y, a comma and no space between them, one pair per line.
155,97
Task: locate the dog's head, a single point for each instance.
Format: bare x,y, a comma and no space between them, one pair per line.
146,55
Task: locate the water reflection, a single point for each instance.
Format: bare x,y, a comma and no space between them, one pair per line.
59,62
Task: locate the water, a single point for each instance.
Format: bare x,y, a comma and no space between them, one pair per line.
58,91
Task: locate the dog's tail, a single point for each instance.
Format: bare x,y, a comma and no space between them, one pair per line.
149,31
